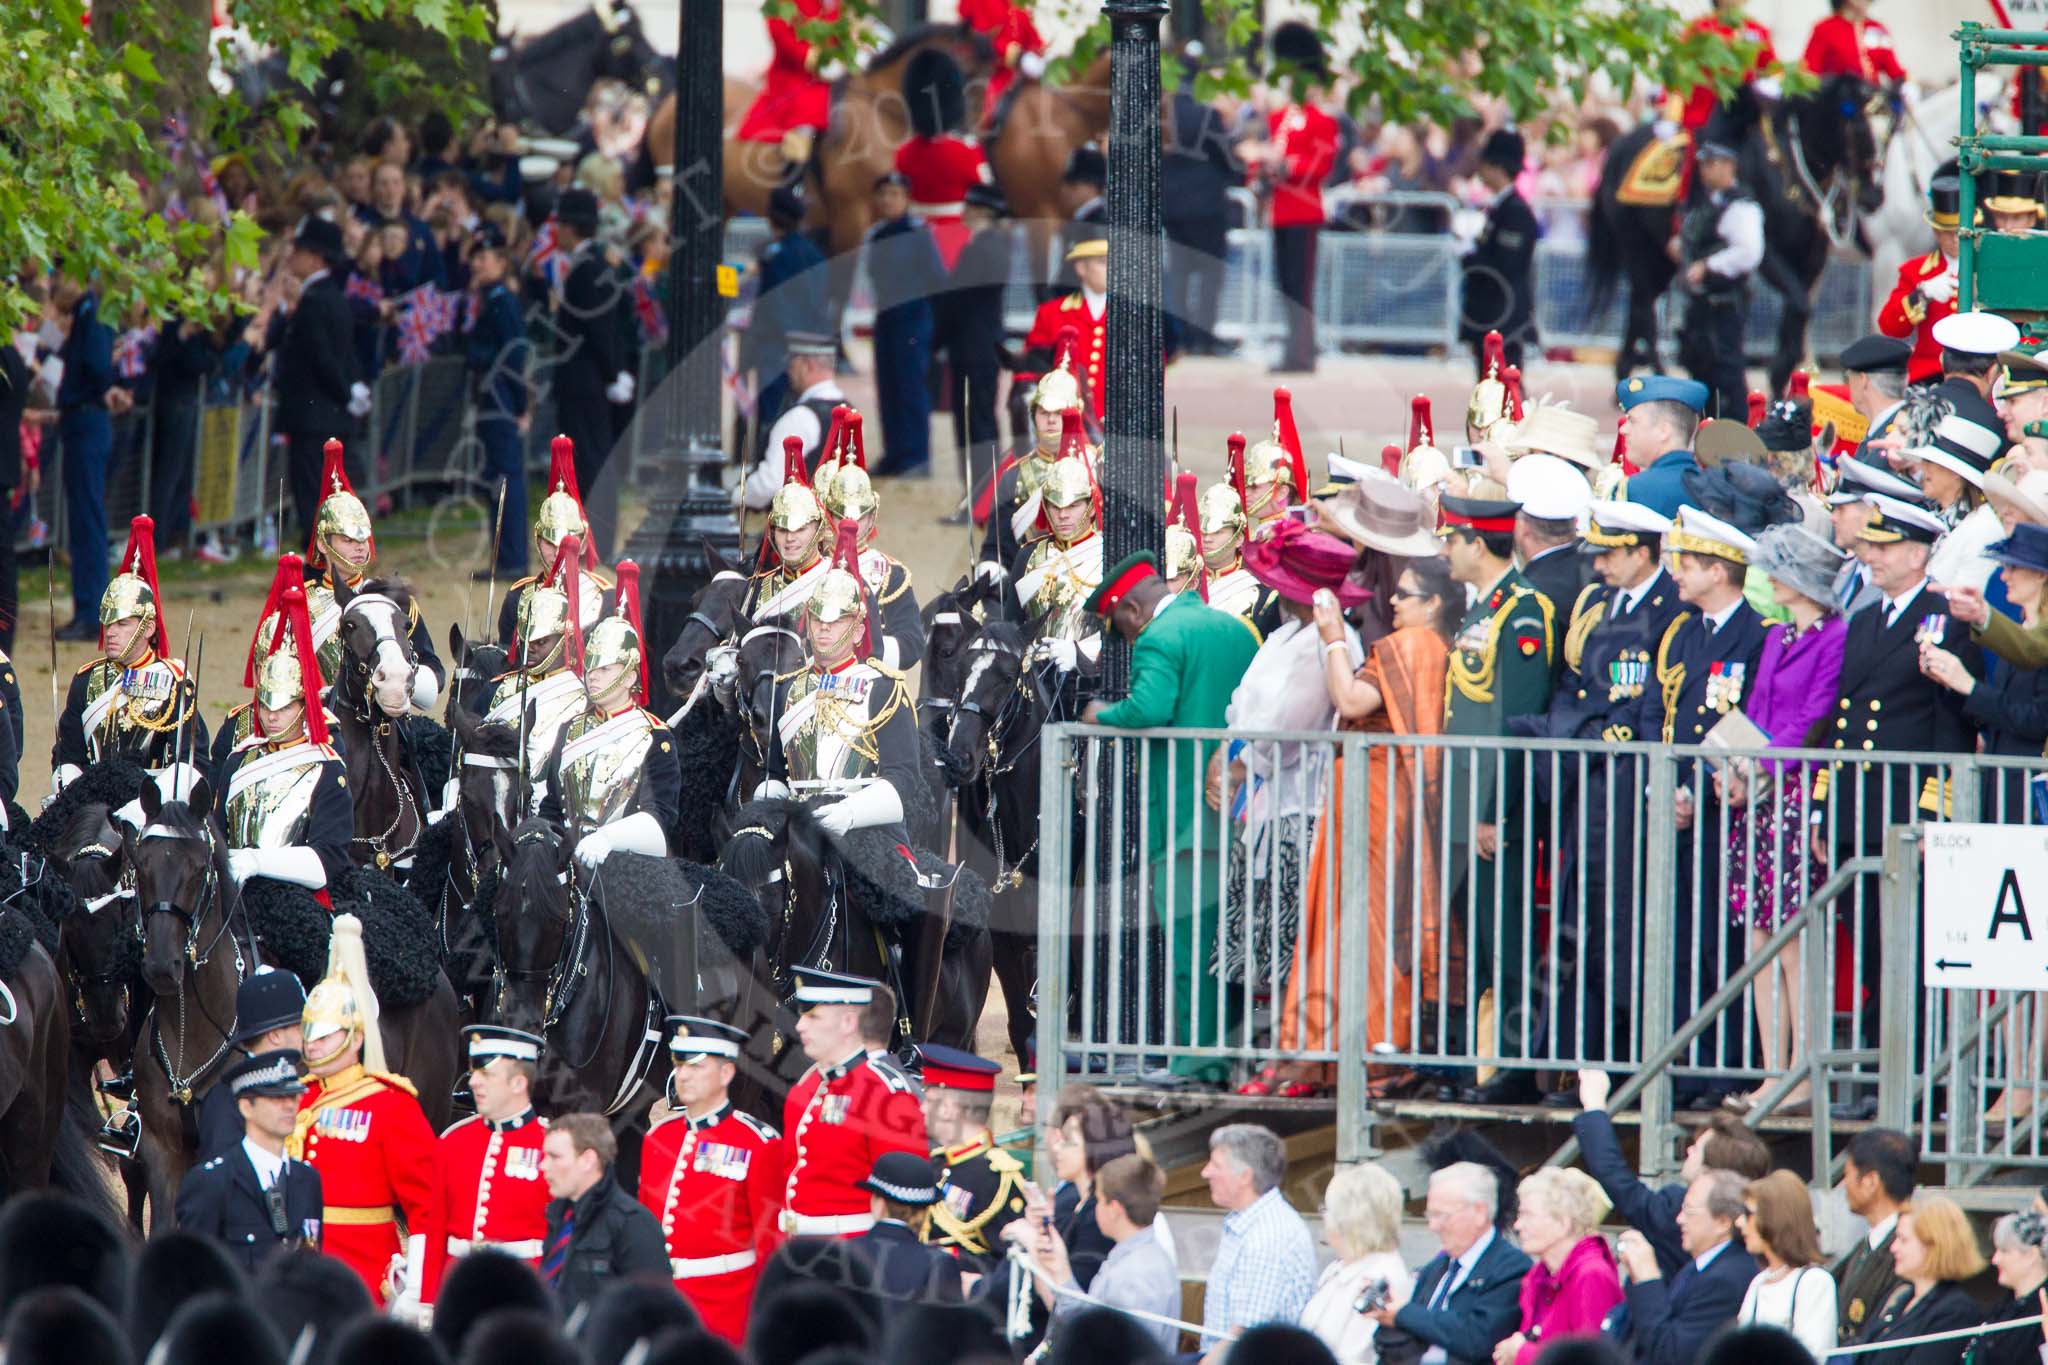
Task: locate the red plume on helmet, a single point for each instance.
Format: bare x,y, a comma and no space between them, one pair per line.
1621,451
296,624
291,573
1494,356
1074,446
1290,439
1758,406
1066,348
1421,429
846,558
562,475
1512,378
1390,459
333,479
793,470
856,439
567,574
629,607
1233,464
139,558
1185,516
835,434
1800,387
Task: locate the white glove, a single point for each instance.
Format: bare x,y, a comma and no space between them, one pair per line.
1467,224
593,846
1065,654
426,688
1770,87
875,804
451,794
296,864
770,790
989,571
131,814
1940,289
1031,66
359,400
66,774
621,390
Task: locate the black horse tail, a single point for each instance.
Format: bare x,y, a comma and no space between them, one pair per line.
77,1168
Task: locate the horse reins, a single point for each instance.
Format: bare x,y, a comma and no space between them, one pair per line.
182,1087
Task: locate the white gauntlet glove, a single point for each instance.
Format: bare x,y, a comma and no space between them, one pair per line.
874,804
426,688
359,400
621,390
297,864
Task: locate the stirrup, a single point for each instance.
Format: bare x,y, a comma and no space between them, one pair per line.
121,1134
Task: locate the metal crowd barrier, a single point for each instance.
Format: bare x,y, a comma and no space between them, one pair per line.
1630,918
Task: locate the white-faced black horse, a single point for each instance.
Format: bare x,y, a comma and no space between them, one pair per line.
1809,161
982,711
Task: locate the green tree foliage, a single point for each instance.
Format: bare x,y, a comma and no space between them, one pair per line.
85,164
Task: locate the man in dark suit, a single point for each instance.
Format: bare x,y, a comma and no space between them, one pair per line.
1888,703
1877,1177
598,1232
590,375
1669,1320
254,1198
317,390
1874,367
901,1191
1467,1299
1498,291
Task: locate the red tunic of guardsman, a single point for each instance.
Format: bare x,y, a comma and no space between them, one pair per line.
842,1114
793,95
1020,51
490,1191
360,1127
1926,289
714,1178
1088,315
939,164
1730,27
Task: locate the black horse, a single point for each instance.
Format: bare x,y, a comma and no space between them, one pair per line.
370,701
700,667
490,795
983,711
1809,161
544,79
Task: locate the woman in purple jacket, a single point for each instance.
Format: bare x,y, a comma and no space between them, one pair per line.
1574,1282
1771,867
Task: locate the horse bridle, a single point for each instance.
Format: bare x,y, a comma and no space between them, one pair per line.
379,726
1007,873
182,1087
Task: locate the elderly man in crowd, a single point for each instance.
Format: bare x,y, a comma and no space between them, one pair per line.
1265,1266
1670,1320
1468,1298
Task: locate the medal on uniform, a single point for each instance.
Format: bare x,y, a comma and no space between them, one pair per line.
522,1163
836,1107
1932,629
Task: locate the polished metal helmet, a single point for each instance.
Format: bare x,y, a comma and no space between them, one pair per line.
128,595
1268,463
341,512
1490,403
331,1008
279,679
1067,482
1057,390
850,494
543,611
1182,557
838,595
613,640
1222,511
344,1001
795,506
561,511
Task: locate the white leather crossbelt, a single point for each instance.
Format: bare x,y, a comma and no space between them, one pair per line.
696,1268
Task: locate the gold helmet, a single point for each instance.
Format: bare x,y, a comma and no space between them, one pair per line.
795,506
1488,407
1183,532
343,1002
840,592
1069,480
561,511
852,494
1278,459
1059,388
341,512
848,451
543,611
132,593
616,639
1222,511
553,606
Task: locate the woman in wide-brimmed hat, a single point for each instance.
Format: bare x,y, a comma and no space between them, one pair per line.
2011,712
1771,867
1282,690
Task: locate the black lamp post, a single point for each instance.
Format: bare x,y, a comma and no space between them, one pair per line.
688,506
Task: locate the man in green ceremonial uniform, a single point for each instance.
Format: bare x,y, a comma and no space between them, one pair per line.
1499,667
1186,660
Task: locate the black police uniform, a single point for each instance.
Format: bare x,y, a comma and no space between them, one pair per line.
223,1198
1710,344
1609,655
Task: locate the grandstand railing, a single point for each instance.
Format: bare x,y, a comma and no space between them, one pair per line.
1648,947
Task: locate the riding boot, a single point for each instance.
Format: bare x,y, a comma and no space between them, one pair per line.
121,1087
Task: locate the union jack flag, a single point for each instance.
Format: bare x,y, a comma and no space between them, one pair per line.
131,351
546,256
647,307
427,316
362,289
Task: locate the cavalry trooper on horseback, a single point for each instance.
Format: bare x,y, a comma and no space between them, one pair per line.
792,558
543,692
1272,475
134,701
1055,575
1010,505
613,777
343,548
1231,586
240,722
561,515
847,732
851,496
286,793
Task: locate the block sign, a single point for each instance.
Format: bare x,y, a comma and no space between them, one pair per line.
1984,906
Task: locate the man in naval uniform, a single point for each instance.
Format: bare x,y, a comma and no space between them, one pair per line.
361,1127
134,701
1053,577
614,779
343,548
793,555
285,798
842,1113
899,642
981,1185
561,514
489,1192
714,1177
1009,506
1499,669
1703,670
543,692
1616,627
254,1198
847,733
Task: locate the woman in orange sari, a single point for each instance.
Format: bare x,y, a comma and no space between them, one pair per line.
1398,691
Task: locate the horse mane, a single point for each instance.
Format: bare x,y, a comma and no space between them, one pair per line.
491,739
753,854
527,875
397,589
913,38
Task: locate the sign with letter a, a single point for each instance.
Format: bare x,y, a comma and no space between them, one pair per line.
1984,906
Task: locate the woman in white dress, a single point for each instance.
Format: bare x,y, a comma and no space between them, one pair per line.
1362,1224
1794,1290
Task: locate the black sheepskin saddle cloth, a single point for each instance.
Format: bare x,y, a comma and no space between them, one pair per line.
17,936
398,936
112,783
433,748
654,901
